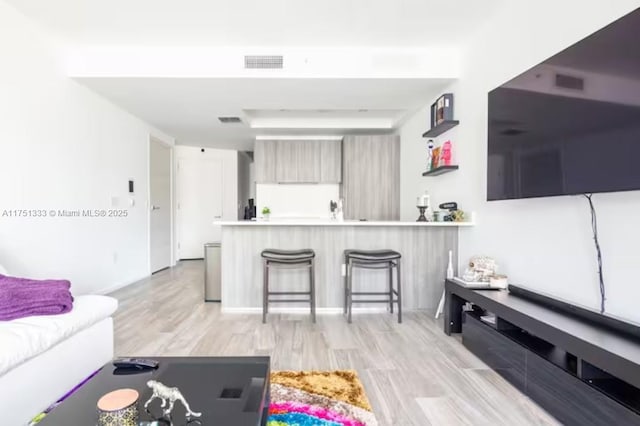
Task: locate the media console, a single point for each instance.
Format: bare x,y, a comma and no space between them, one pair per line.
581,372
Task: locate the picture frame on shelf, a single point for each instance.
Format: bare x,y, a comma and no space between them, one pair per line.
442,110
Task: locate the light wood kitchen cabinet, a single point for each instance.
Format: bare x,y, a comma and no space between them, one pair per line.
371,179
298,161
330,161
308,161
287,164
265,158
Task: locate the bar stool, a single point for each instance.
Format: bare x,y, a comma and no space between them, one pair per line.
372,259
291,259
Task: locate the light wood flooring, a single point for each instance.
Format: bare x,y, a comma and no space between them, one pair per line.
413,373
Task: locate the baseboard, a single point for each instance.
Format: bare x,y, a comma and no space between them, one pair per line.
118,286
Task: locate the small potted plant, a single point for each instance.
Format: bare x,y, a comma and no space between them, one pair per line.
266,212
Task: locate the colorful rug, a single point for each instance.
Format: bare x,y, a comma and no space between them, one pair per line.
318,398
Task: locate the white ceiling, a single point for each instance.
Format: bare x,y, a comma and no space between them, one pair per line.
380,91
188,108
401,23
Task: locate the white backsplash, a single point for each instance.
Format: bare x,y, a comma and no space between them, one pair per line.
296,200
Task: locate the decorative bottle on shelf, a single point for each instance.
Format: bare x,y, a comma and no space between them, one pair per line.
450,265
430,146
445,154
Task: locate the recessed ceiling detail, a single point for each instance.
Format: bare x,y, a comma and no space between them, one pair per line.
188,108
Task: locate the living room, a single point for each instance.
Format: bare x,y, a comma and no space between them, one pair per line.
89,89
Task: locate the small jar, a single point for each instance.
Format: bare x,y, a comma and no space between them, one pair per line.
119,408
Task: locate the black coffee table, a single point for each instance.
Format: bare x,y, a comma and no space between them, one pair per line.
227,390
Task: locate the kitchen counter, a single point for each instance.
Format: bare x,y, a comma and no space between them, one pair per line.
424,247
320,222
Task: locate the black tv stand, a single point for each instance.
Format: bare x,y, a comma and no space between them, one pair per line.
580,372
589,315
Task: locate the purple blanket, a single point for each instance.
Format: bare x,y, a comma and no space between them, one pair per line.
23,297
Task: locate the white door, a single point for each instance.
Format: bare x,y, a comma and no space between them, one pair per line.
199,187
160,205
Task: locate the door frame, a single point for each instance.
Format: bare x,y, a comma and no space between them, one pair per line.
172,231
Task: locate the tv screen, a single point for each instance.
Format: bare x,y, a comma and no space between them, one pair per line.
570,125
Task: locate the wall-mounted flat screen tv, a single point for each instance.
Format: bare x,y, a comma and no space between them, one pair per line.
570,125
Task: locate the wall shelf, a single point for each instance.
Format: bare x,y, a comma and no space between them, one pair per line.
440,170
440,128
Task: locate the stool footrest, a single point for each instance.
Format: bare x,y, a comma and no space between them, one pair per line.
374,301
290,292
372,265
370,293
289,300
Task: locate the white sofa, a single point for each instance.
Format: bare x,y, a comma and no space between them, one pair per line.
44,357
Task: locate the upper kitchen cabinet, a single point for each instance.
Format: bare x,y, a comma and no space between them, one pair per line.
309,162
298,161
265,161
330,161
287,152
371,180
306,167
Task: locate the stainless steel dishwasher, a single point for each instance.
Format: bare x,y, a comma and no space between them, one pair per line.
212,273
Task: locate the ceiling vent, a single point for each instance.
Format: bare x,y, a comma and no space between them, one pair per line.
229,120
263,61
569,82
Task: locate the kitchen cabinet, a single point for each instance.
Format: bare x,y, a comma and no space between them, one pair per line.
371,177
330,161
308,165
287,161
298,161
265,161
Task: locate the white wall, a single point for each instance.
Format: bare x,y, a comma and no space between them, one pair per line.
543,243
296,200
64,147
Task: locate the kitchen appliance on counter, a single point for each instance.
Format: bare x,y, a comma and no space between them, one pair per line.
453,215
336,208
250,210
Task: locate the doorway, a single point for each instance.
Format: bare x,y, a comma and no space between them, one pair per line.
199,188
160,205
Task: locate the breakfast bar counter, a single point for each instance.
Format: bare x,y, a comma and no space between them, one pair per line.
368,223
424,247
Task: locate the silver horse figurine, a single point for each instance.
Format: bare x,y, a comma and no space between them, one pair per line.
165,393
